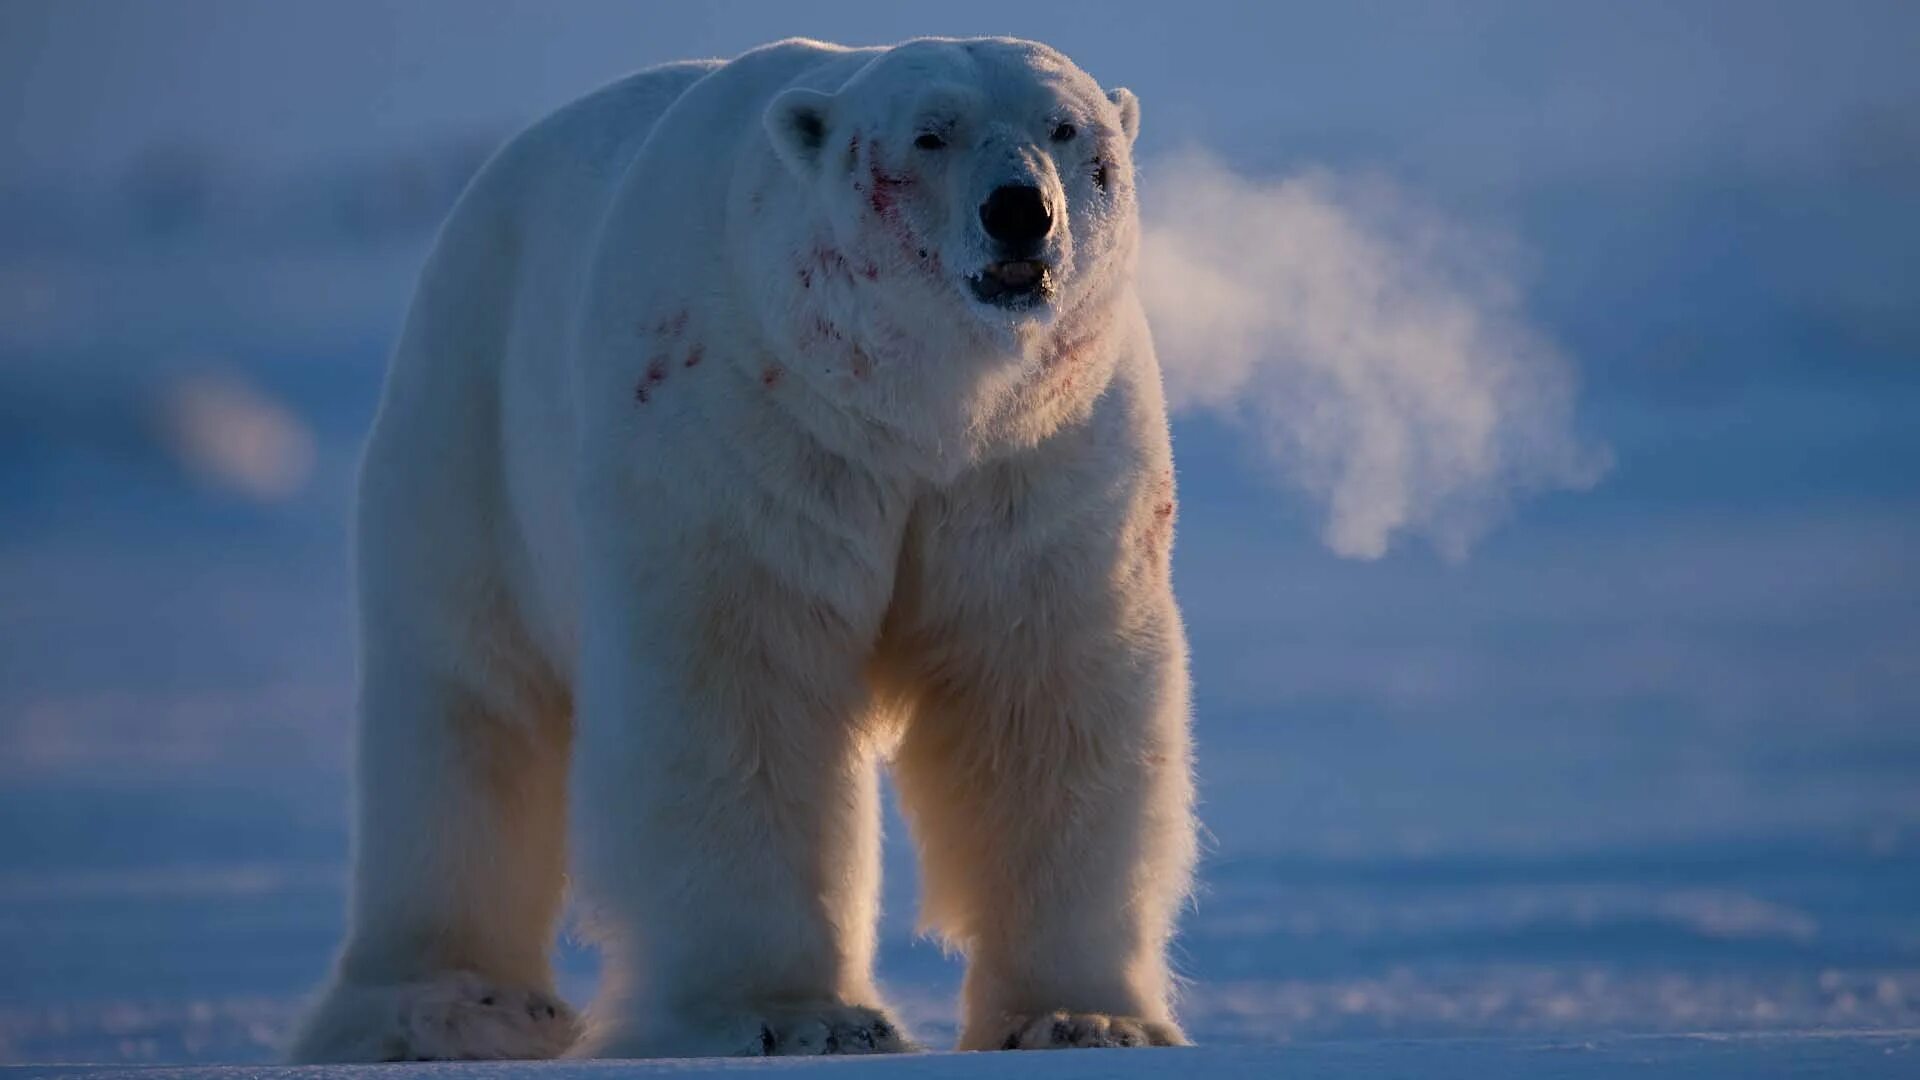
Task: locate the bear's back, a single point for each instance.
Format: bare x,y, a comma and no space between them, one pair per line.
566,166
474,454
474,372
571,162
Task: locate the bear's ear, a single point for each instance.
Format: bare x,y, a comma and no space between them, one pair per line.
1129,107
797,123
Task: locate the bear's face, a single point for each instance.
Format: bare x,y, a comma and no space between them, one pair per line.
987,183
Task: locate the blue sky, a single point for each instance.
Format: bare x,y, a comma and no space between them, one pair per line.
1490,94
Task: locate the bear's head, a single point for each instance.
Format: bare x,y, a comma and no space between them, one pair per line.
961,190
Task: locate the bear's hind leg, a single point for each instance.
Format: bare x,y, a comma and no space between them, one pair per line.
459,861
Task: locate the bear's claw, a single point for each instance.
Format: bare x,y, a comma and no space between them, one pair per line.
1064,1030
834,1029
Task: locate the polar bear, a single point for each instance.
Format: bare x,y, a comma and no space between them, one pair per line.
757,424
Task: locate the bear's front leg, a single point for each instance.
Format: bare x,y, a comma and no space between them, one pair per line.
727,822
1045,769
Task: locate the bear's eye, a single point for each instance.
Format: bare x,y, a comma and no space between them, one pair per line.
929,140
1064,132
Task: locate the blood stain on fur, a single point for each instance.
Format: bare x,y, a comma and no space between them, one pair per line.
1066,359
830,261
770,375
821,331
1162,509
655,375
1163,487
1154,540
883,189
694,356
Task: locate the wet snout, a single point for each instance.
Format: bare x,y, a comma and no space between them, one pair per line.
1019,225
1017,218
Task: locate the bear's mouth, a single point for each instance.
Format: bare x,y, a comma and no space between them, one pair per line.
1016,283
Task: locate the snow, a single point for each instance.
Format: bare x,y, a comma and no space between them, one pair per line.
1698,1057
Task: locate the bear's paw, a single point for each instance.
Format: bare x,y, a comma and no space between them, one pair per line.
782,1030
826,1029
1065,1030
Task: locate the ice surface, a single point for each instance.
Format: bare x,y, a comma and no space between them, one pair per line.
1696,1057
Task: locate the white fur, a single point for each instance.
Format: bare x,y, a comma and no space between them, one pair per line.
702,483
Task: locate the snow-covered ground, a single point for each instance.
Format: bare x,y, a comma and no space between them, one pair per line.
1645,765
1862,1055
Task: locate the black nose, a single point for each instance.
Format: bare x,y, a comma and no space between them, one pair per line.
1017,216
